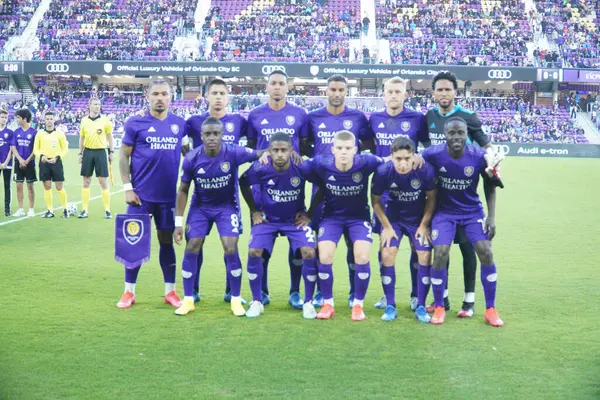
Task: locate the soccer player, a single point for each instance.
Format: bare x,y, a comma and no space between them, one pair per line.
213,167
323,124
387,125
49,147
345,177
458,166
22,149
444,86
95,137
408,212
278,116
281,184
6,139
149,165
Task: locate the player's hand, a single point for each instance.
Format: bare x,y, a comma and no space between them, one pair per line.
418,161
297,158
51,160
80,158
110,158
490,228
258,218
178,235
493,161
132,198
302,220
2,166
23,164
264,159
423,235
386,236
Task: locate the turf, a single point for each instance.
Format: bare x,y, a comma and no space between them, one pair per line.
62,336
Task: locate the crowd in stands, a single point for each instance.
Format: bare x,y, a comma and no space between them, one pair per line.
14,17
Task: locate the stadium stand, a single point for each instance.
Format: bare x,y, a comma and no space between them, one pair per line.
14,17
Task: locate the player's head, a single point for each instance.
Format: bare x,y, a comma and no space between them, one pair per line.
277,86
344,147
394,93
49,120
217,94
336,90
444,86
403,151
280,149
159,95
3,117
94,105
23,116
212,133
455,130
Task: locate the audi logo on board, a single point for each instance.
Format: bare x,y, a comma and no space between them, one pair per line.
57,68
499,74
267,69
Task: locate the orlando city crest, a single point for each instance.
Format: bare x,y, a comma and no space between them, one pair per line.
290,119
415,183
405,126
434,234
229,126
133,230
225,167
469,171
295,181
175,129
321,231
29,136
357,177
347,124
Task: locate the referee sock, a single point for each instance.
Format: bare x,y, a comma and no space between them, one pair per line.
105,199
85,198
48,199
62,194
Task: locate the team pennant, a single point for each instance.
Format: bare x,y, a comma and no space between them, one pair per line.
132,239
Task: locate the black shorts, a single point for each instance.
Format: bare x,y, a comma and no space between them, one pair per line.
94,159
52,172
24,174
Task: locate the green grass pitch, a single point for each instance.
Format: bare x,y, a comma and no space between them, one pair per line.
62,336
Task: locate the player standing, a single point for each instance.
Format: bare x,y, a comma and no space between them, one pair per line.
149,164
22,149
6,139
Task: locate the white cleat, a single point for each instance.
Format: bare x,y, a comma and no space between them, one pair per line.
31,213
256,308
308,311
19,213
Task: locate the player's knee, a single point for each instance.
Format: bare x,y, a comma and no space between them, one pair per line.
87,181
103,183
230,248
361,258
47,185
424,257
165,238
440,256
484,252
255,252
308,252
193,246
388,255
326,257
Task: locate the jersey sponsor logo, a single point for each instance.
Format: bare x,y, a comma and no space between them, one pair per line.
151,129
322,125
415,183
225,166
229,127
264,122
357,177
290,119
133,230
295,181
405,126
469,171
175,129
434,234
347,124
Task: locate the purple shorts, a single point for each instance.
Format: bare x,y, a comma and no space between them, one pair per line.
443,228
332,229
263,235
163,213
200,220
409,231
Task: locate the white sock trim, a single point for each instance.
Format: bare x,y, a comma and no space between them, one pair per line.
169,287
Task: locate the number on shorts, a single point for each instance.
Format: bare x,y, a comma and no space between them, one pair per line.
370,233
235,223
482,222
310,235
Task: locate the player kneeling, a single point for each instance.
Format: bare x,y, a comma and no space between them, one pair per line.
458,166
409,211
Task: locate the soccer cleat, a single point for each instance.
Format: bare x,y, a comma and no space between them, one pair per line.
83,214
265,299
439,316
295,301
127,300
431,308
467,311
20,213
187,306
422,315
7,213
31,213
237,308
256,308
414,302
390,313
327,311
318,300
65,213
492,318
172,299
196,296
357,313
308,311
351,300
49,214
107,215
227,298
381,304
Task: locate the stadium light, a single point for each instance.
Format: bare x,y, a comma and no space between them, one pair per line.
500,82
419,80
486,82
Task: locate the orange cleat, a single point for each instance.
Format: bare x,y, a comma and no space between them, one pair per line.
492,318
439,316
127,300
172,299
326,312
358,313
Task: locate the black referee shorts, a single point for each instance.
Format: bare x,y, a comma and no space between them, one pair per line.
52,172
94,159
24,174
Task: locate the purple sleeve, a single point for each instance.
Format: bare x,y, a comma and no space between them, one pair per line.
423,134
244,155
379,182
251,133
426,154
251,176
303,130
373,162
428,177
366,133
13,139
308,170
187,170
130,133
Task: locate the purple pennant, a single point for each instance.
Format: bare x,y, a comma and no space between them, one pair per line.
132,239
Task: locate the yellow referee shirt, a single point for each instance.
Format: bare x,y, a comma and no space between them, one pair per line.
50,144
94,132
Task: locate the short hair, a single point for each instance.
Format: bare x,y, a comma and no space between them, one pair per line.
395,79
403,143
158,82
93,99
336,78
49,112
445,76
281,137
277,72
25,114
454,119
216,81
212,121
3,111
344,135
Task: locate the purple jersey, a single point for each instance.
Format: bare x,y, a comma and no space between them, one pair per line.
234,128
345,192
23,141
215,178
322,127
263,122
406,193
386,129
156,155
457,180
6,140
281,193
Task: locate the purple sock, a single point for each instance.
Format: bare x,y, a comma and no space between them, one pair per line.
295,271
414,271
351,268
168,262
131,274
234,270
189,270
326,279
489,278
424,282
388,280
197,276
361,280
255,272
309,272
265,279
438,283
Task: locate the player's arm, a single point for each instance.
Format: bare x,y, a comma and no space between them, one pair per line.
37,147
489,189
131,197
180,204
251,133
245,183
13,149
81,141
111,142
387,231
251,143
63,145
423,231
8,156
316,200
368,145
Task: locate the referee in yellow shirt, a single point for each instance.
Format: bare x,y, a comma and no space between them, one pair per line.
50,147
95,137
